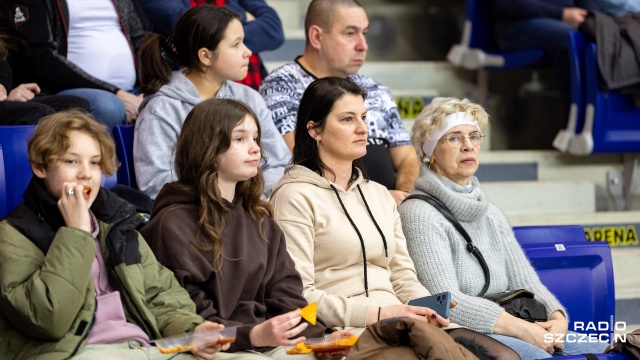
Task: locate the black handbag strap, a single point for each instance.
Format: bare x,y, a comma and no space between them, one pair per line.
470,247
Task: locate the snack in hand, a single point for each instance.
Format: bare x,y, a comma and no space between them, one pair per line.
325,349
190,341
309,313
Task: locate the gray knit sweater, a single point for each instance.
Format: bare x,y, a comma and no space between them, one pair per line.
443,263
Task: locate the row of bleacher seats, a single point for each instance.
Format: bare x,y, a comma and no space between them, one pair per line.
600,121
578,272
605,121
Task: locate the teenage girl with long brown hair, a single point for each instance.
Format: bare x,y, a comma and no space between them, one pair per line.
213,231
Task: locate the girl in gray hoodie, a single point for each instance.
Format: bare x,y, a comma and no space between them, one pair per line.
207,43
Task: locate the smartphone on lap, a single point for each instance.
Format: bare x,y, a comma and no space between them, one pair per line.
440,303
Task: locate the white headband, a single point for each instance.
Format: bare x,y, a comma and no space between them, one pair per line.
451,121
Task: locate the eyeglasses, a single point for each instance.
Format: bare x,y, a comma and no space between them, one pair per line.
456,140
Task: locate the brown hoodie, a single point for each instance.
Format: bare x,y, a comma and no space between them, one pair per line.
258,279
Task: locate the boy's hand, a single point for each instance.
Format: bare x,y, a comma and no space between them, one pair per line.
73,207
209,352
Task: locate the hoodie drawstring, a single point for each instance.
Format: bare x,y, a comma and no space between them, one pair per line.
384,240
364,252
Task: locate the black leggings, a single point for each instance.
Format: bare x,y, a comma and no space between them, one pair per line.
482,346
30,112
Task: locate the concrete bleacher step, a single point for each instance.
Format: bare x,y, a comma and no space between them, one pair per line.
541,197
549,165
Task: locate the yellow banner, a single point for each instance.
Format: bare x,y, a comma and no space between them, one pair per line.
620,235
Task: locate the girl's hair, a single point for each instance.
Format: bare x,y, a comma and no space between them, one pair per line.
200,27
316,104
51,140
433,115
205,135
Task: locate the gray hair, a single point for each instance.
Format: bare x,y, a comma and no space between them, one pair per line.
433,115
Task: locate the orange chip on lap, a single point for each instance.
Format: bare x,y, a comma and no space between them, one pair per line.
309,313
301,348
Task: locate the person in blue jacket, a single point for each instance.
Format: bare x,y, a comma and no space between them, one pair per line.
543,24
261,24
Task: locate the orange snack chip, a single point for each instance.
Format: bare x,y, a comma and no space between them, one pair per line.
301,348
347,341
309,313
175,349
86,190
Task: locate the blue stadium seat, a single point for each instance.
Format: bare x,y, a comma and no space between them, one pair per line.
531,235
14,139
3,187
123,136
578,44
610,119
478,49
578,272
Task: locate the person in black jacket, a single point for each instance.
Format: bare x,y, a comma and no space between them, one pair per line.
22,105
81,48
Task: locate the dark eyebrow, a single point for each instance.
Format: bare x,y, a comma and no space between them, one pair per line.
355,28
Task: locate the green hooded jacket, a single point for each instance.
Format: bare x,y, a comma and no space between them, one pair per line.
47,297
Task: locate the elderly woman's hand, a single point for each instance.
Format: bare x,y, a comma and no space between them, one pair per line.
534,334
556,325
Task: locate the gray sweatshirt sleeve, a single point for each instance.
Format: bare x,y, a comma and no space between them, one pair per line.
429,241
273,146
154,138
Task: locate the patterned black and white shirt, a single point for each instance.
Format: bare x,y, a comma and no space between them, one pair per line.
282,91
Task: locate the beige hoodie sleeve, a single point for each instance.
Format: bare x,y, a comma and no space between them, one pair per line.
403,272
294,214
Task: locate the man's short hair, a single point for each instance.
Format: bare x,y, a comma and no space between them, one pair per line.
321,13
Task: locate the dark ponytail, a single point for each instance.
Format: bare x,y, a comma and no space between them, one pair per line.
200,27
155,71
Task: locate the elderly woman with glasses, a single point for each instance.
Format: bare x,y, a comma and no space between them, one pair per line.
447,136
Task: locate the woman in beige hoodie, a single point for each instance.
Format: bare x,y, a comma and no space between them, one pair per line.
343,231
